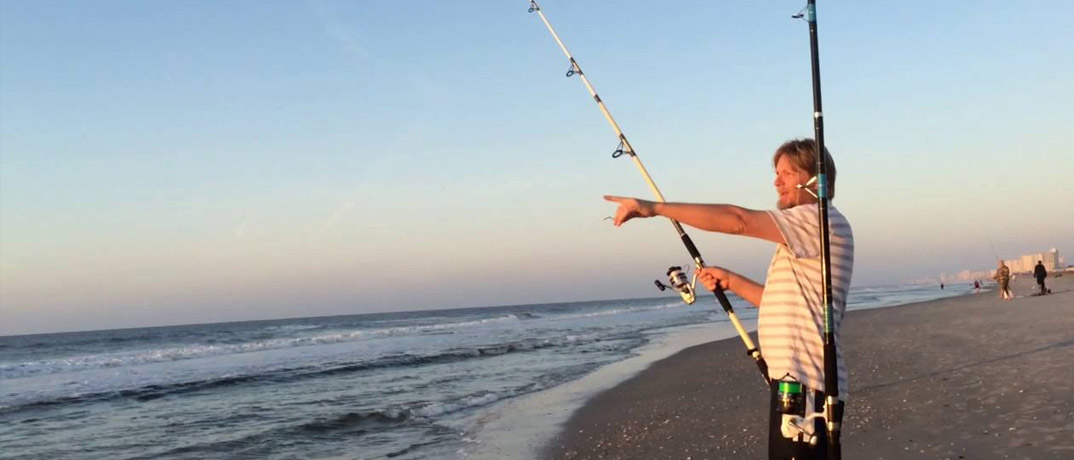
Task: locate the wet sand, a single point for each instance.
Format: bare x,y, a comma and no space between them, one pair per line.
970,377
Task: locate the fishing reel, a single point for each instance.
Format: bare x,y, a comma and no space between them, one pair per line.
798,412
793,403
677,281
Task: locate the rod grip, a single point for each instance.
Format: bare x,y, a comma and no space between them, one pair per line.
721,299
761,365
835,449
689,245
831,367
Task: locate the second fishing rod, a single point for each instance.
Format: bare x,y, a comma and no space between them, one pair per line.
676,277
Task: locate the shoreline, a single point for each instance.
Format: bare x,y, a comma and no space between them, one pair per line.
519,428
968,376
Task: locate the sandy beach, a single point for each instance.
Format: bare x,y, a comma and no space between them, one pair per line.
969,377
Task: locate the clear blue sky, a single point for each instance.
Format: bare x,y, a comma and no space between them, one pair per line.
178,162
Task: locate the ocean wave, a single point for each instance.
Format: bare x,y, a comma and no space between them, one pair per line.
441,408
148,392
617,311
203,350
863,299
405,413
352,421
415,411
419,415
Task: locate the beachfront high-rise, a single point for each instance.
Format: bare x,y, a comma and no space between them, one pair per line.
1027,262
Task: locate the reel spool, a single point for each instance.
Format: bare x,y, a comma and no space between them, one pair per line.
790,397
678,282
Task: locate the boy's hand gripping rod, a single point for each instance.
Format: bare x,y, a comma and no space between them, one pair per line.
625,147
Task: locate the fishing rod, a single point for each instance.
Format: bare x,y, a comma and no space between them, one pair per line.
833,415
675,275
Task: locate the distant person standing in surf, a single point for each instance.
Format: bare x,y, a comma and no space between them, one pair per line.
791,300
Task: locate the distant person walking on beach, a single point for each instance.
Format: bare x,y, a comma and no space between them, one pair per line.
1040,273
976,286
791,306
1003,278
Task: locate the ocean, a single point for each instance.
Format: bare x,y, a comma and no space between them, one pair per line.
406,385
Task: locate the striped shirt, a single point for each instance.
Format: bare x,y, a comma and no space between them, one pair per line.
791,319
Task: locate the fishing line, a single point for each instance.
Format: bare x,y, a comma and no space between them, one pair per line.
994,253
624,148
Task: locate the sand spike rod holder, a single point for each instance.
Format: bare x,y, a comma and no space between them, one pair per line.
626,148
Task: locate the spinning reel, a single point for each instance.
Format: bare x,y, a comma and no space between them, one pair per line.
795,404
677,280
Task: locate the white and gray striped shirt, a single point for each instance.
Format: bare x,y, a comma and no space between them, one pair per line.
791,321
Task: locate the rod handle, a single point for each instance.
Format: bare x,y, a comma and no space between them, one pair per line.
721,299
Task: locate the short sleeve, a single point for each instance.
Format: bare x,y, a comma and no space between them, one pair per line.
798,225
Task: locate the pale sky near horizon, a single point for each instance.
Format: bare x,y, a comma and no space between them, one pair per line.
185,162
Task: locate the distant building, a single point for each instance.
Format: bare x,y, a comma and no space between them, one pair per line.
1028,262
